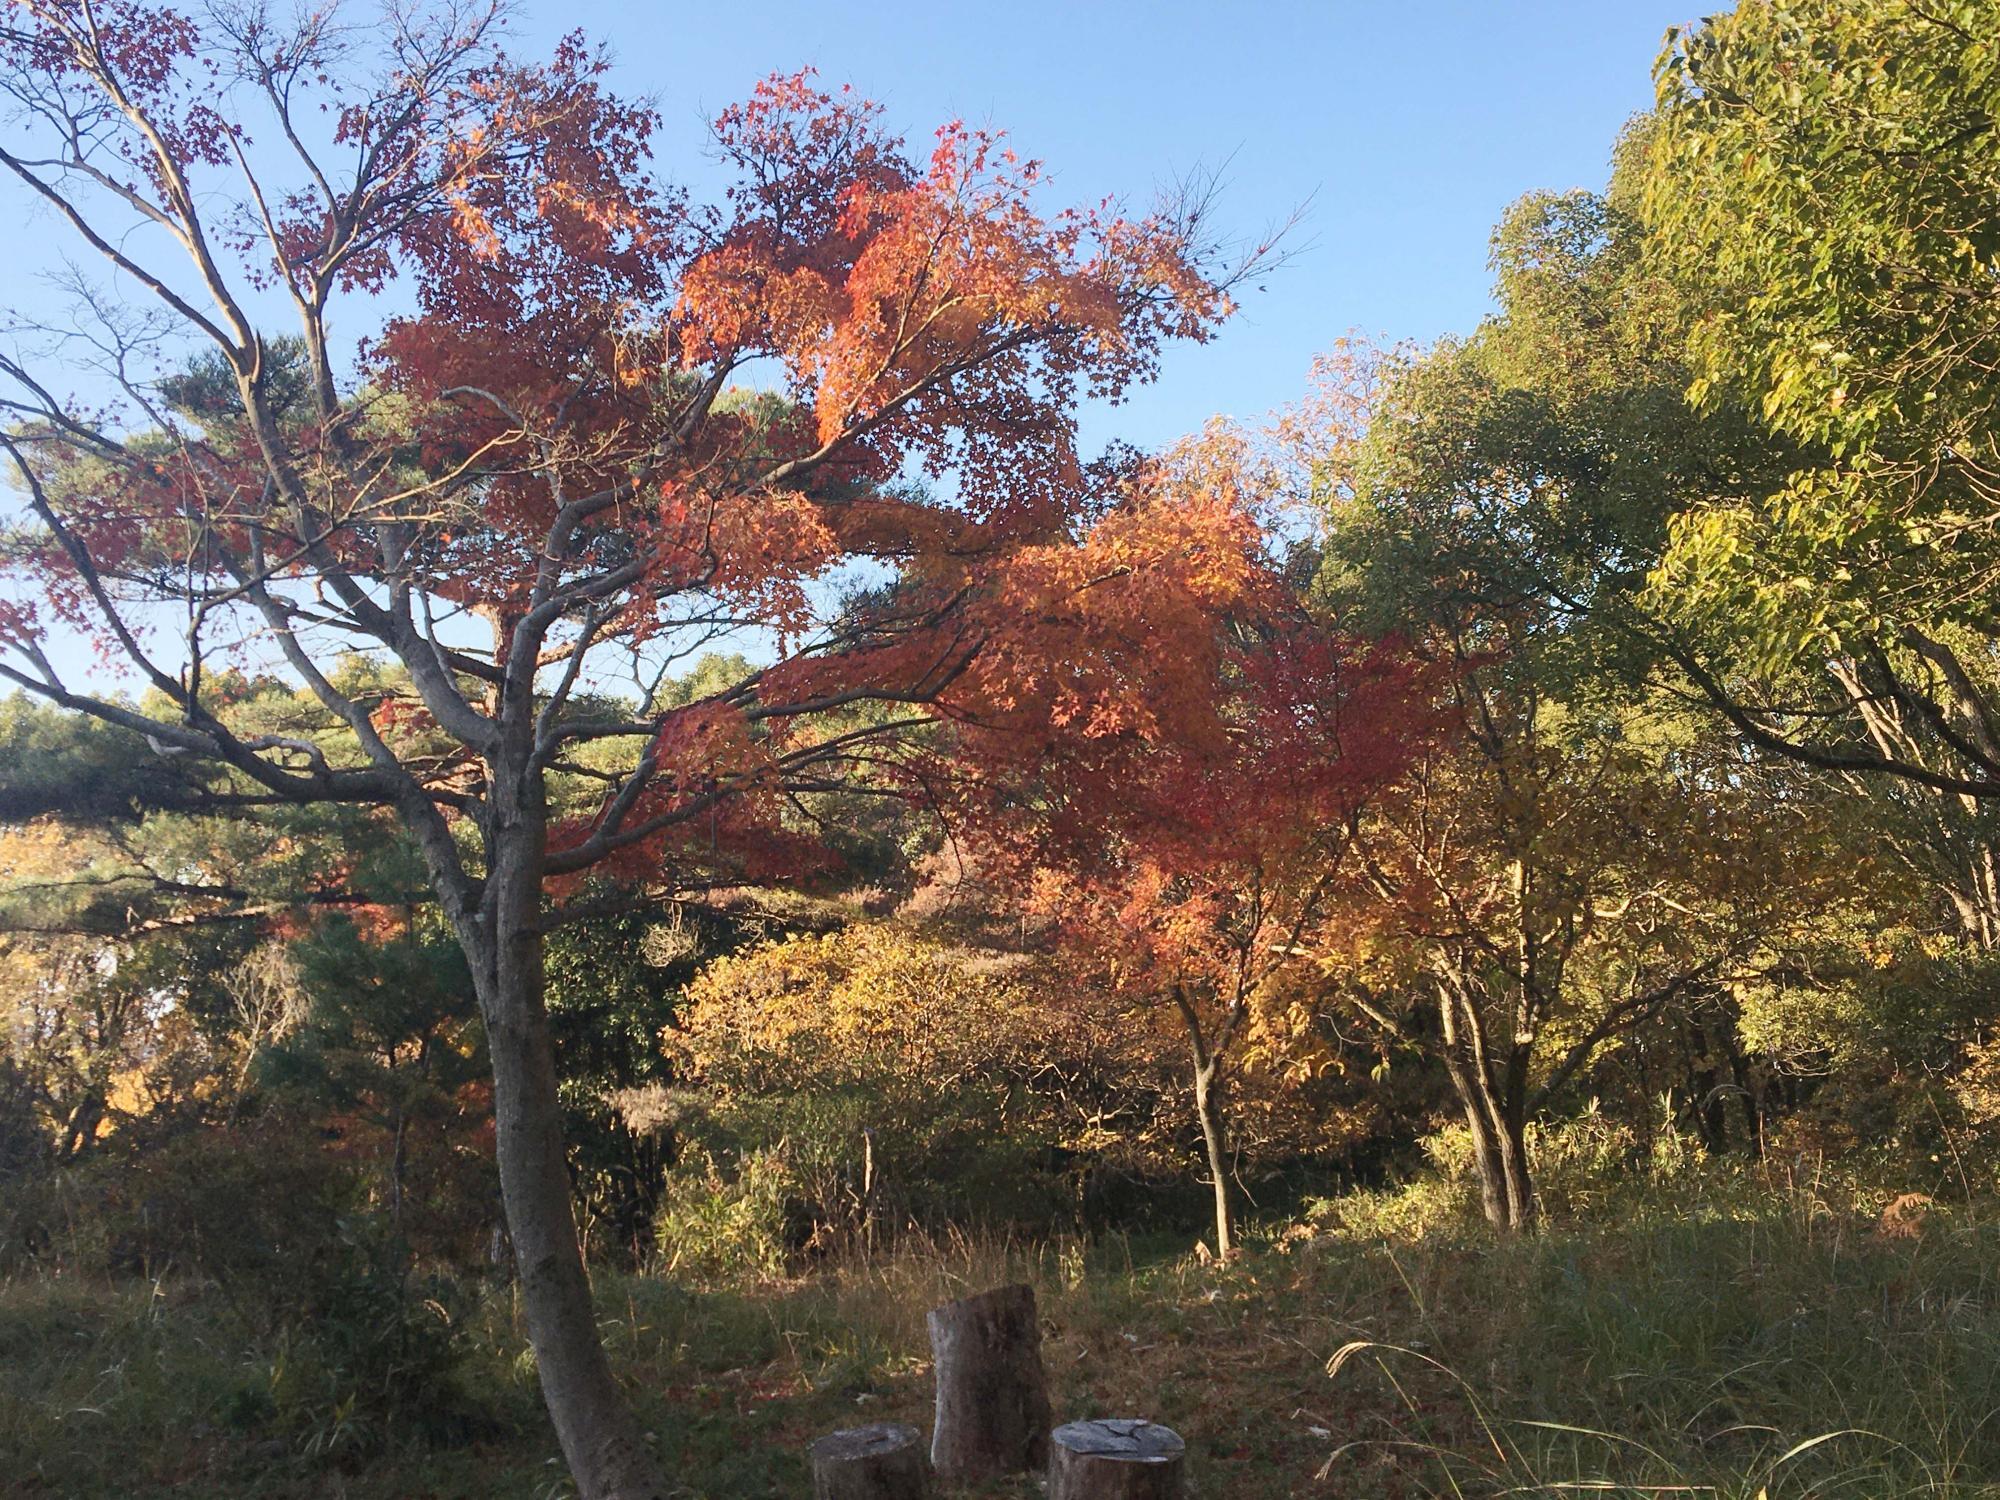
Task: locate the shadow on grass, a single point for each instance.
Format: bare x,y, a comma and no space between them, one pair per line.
1792,1353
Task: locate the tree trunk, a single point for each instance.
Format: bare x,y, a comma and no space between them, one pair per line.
882,1462
1748,1094
81,1128
1498,1122
992,1395
1486,1161
600,1438
868,1188
1207,1053
1514,1170
1208,1110
1500,1155
398,1163
1116,1459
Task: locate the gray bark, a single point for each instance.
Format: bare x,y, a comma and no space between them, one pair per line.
1207,1053
1495,1114
992,1394
1208,1110
1500,1150
1116,1458
881,1462
502,940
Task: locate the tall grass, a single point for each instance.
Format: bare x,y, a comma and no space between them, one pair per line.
1734,1340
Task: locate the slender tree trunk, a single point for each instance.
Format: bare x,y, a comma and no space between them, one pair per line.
1986,880
1977,893
397,1160
1208,1053
1214,1139
1748,1094
1498,1122
1486,1161
599,1436
1514,1171
868,1188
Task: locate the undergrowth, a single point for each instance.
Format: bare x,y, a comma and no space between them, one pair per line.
1739,1337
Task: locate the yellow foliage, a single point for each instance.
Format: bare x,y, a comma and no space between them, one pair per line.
867,1001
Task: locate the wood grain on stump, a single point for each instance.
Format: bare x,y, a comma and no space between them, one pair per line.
881,1462
1116,1458
992,1396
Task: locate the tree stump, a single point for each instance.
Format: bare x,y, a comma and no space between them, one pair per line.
1116,1458
880,1462
992,1397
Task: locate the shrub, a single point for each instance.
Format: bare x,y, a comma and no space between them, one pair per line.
869,1076
227,1203
348,1347
1586,1167
368,1350
715,1222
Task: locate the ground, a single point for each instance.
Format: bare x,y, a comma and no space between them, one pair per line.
1762,1347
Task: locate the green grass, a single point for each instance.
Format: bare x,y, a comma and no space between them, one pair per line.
1754,1345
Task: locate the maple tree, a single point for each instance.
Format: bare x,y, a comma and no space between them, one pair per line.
1184,868
538,471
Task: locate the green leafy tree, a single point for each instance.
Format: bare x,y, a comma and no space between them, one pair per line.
614,985
387,1043
1591,857
1820,184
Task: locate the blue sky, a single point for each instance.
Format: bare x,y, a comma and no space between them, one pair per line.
1404,129
1408,127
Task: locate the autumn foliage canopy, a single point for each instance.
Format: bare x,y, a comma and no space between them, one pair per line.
548,430
553,440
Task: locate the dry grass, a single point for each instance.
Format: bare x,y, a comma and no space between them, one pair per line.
1767,1348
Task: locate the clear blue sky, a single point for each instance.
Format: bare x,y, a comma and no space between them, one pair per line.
1409,124
1406,127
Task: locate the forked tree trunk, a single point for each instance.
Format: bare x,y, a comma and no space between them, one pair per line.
1207,1053
1486,1163
1500,1159
600,1438
1496,1117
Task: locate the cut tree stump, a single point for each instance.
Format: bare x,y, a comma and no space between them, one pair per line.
1116,1458
992,1397
880,1462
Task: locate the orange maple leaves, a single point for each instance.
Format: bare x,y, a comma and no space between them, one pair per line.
563,442
935,293
1203,754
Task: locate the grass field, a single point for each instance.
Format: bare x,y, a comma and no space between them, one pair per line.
1762,1345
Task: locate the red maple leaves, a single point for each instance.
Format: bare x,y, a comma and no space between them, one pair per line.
834,410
